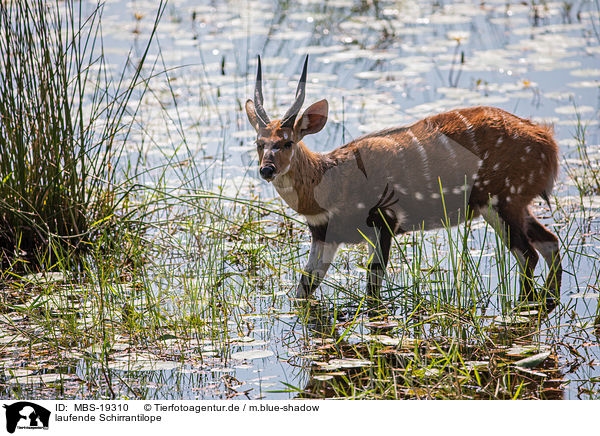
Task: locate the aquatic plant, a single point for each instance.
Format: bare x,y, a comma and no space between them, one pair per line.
63,121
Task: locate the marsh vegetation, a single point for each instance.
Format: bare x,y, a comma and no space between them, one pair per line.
143,258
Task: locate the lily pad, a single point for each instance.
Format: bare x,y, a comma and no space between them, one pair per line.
252,354
586,295
522,350
143,365
479,365
254,343
323,377
533,361
21,372
572,110
41,379
45,278
13,339
511,320
334,364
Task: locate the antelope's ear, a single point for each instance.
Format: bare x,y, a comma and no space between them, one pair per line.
312,120
251,112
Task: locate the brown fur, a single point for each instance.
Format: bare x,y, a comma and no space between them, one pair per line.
518,161
509,161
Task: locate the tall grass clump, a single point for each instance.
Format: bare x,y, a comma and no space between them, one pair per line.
63,122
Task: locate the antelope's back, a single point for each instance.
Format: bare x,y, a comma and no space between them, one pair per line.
425,175
404,179
519,158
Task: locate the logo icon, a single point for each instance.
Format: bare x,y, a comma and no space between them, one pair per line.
26,415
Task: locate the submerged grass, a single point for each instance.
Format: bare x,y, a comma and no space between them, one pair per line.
205,295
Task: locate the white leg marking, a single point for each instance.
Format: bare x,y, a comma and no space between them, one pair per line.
550,253
548,250
319,259
491,216
318,219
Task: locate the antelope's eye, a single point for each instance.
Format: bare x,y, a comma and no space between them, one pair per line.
260,145
288,144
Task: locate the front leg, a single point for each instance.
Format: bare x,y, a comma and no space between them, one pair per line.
379,254
320,258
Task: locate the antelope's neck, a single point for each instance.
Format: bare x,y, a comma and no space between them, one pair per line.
297,185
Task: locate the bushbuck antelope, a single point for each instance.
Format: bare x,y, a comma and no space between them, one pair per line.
482,160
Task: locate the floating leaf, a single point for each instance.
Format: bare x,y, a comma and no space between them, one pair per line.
521,350
533,361
531,372
120,346
143,365
344,363
21,372
587,295
253,343
383,325
572,110
511,320
586,72
388,340
252,354
12,339
222,369
45,278
479,365
41,379
529,313
323,377
428,372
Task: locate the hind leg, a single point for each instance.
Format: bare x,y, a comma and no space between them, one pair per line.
511,230
379,255
546,243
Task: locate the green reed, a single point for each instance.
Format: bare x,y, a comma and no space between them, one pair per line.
63,122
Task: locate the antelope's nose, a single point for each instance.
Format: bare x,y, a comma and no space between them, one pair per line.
267,172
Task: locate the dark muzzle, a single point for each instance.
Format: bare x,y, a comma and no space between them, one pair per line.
267,172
